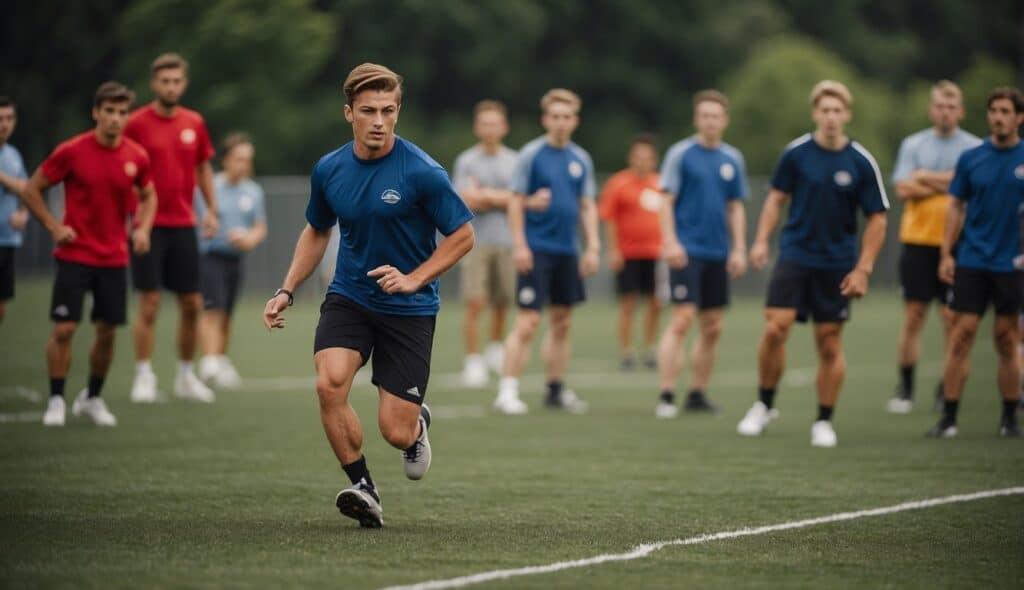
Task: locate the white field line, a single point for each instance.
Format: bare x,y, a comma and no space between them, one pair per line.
20,417
21,391
646,549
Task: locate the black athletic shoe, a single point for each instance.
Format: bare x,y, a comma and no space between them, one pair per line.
943,429
627,363
1009,428
698,402
651,362
362,503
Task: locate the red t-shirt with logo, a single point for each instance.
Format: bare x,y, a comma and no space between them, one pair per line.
176,145
632,203
99,195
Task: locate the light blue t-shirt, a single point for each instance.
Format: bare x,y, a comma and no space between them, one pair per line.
991,181
569,174
11,164
491,171
239,206
388,211
928,150
703,180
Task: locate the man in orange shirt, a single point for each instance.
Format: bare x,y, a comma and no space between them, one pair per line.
629,207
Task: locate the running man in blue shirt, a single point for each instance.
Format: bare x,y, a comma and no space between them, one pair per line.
388,199
826,177
550,168
988,191
13,215
705,226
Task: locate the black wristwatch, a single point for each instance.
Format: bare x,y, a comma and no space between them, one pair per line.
291,299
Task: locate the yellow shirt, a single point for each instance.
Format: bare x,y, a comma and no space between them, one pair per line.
924,220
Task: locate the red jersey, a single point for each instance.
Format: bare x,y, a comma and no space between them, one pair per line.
99,196
176,145
632,203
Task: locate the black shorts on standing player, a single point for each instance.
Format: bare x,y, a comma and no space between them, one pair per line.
172,262
974,289
109,288
637,276
6,273
554,280
813,292
220,278
919,274
400,345
702,282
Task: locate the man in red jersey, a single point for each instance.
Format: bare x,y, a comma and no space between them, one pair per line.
179,146
101,171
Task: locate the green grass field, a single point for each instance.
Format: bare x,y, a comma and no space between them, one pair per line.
240,494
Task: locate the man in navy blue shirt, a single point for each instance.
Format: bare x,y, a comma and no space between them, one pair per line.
553,171
705,226
827,178
988,191
388,199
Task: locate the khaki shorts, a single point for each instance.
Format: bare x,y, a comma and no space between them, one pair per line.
488,274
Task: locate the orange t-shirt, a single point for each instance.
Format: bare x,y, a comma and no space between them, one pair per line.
632,203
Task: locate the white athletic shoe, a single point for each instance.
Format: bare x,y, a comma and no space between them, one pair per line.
144,388
227,377
361,502
494,355
55,411
93,407
188,386
756,418
823,435
510,405
898,405
666,410
417,457
474,374
209,366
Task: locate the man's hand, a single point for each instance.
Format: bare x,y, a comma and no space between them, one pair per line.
759,255
18,220
538,201
210,224
239,238
947,269
140,241
392,280
675,254
855,284
272,313
63,234
737,263
615,260
589,262
522,258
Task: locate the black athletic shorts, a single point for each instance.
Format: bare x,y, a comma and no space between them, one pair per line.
974,289
637,276
919,274
400,344
813,292
172,262
219,279
6,273
702,282
109,288
554,279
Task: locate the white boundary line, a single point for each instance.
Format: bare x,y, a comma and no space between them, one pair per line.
646,549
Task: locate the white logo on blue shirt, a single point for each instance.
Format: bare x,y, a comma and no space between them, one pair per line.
727,171
245,203
575,169
843,178
1019,172
391,196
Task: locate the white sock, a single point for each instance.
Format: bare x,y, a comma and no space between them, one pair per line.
508,387
474,359
184,367
143,367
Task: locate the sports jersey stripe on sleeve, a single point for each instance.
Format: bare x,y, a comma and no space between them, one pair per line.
874,166
671,179
520,182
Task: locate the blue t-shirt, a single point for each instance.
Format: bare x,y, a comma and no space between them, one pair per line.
388,211
239,206
991,180
826,188
569,174
703,180
11,164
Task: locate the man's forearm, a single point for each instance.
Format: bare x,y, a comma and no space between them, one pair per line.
769,217
954,223
610,237
908,190
14,185
590,224
448,252
147,208
738,225
937,180
516,221
33,199
309,250
871,242
204,178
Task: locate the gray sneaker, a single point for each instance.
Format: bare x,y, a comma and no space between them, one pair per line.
362,503
417,457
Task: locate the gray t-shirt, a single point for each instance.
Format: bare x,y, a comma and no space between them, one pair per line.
492,171
927,150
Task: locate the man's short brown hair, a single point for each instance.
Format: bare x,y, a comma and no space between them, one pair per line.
113,92
370,76
947,89
233,140
644,138
562,95
833,89
1008,93
168,61
490,105
710,95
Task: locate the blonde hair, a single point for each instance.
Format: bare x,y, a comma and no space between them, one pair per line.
560,95
168,61
710,95
947,89
370,76
490,105
833,89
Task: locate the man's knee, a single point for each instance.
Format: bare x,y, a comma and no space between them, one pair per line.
914,314
332,391
682,319
527,323
561,321
105,335
776,330
1005,336
399,435
961,339
190,304
63,332
149,305
710,331
830,349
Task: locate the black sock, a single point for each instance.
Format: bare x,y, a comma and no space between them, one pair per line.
357,471
668,396
95,385
949,409
824,412
57,386
907,381
696,393
1010,409
554,391
767,396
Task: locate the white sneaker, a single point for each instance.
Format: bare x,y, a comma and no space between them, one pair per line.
55,411
666,410
823,435
361,502
227,377
93,407
898,405
475,375
494,355
510,405
188,386
756,418
209,366
144,388
417,457
570,402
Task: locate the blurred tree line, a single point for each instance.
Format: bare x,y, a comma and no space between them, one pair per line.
274,67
